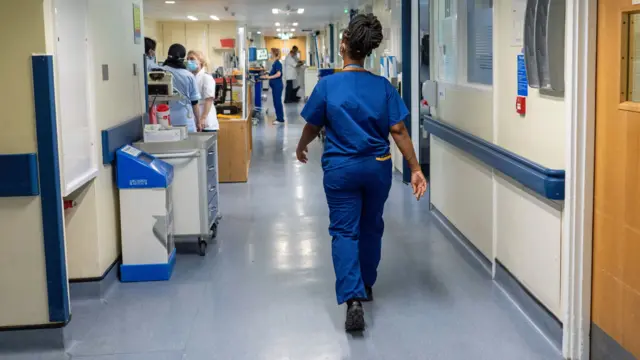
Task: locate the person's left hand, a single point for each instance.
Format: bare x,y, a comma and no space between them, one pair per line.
264,77
201,125
301,154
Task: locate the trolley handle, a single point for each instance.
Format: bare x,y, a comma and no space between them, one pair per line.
180,155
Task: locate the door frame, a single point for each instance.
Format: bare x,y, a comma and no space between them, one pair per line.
577,228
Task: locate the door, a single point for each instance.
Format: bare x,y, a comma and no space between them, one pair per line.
616,234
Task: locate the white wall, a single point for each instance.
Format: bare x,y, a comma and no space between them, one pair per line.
501,218
93,232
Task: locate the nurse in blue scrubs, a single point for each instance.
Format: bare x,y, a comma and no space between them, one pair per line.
359,110
276,85
184,112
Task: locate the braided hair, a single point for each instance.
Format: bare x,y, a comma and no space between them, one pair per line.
363,35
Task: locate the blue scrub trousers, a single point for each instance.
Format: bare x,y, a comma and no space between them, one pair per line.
356,193
276,92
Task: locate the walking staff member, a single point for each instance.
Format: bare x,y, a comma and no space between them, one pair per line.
275,84
358,119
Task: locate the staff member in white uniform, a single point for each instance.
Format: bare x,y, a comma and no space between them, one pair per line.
291,74
196,63
184,112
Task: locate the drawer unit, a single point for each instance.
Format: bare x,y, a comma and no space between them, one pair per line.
195,185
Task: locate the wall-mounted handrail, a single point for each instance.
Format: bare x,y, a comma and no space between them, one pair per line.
549,183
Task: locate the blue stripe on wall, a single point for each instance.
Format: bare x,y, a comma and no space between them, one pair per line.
406,75
120,135
50,193
19,175
544,181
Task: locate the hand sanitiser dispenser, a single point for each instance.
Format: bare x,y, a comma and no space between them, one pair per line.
146,216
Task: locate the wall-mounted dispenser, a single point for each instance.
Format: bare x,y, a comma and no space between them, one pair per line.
544,29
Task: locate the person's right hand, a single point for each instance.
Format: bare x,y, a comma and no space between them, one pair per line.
418,183
301,154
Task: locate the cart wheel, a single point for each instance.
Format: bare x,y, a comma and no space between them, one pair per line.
202,247
214,230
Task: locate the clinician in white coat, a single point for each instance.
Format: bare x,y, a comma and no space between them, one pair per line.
291,64
196,63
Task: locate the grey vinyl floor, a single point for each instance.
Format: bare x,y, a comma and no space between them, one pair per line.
265,291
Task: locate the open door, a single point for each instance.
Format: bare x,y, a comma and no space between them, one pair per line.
616,235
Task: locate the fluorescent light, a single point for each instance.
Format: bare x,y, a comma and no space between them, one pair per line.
278,29
169,2
293,29
275,11
213,17
259,32
295,24
300,11
192,18
277,24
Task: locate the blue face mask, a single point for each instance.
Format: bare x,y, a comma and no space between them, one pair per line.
192,65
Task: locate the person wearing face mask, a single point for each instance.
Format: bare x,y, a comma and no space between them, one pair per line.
196,63
150,53
359,110
275,84
291,64
184,112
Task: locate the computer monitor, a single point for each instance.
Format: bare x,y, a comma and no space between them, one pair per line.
262,54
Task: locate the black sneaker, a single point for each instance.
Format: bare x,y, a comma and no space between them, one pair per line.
369,291
355,316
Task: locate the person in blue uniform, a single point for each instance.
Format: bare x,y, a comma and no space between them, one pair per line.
276,86
359,110
184,112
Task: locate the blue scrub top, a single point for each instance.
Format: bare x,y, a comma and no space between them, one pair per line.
357,108
181,111
277,66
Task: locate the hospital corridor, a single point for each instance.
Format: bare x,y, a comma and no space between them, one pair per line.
334,180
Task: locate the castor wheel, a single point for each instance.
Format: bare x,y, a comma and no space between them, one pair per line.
214,231
202,247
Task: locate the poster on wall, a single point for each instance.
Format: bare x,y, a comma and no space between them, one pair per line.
137,25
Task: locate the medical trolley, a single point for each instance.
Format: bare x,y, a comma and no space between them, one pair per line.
195,189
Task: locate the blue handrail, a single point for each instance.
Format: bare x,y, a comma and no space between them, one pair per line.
544,181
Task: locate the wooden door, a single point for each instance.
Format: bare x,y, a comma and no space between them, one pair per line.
616,236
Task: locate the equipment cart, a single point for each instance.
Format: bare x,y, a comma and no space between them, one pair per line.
195,190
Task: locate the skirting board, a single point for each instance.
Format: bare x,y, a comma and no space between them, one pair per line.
33,339
94,289
546,322
540,316
604,347
470,251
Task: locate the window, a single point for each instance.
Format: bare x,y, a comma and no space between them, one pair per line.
464,46
480,41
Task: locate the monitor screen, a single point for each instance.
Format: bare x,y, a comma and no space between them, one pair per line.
262,54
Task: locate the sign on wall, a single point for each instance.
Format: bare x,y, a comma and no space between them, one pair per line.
137,25
523,84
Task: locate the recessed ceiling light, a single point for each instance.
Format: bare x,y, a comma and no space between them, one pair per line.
277,24
259,32
300,11
278,29
275,11
192,18
293,29
213,17
169,2
295,24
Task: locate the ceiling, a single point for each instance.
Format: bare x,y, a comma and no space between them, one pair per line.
257,14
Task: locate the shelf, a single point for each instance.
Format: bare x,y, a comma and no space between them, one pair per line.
224,49
165,98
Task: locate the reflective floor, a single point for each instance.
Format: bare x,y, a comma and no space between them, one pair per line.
265,290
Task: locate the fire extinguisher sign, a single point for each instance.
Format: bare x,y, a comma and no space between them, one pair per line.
523,84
